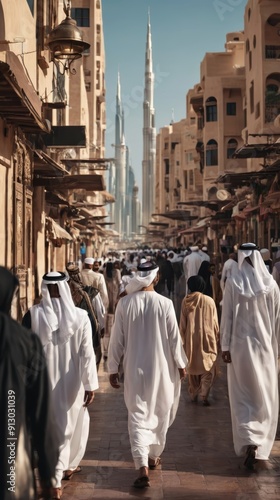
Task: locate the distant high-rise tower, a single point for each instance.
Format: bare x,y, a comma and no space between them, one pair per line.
149,136
121,175
120,165
135,212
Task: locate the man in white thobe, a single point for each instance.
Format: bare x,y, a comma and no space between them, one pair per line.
230,267
146,334
92,278
250,334
203,253
191,264
66,336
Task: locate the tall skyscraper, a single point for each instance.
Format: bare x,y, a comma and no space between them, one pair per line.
120,166
121,176
149,136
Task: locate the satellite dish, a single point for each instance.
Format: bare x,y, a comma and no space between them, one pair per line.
223,194
69,154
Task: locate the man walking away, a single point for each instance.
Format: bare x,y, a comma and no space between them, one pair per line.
200,333
250,334
146,334
65,333
26,418
96,279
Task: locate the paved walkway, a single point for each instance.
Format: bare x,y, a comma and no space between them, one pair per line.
198,462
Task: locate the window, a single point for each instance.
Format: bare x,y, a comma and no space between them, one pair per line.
211,109
193,120
231,147
200,150
98,4
258,110
191,177
185,179
166,163
98,48
98,109
231,108
81,16
98,29
189,157
251,91
211,153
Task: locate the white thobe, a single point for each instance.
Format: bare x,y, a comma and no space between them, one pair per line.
99,308
191,265
204,256
250,330
146,334
91,278
72,371
230,268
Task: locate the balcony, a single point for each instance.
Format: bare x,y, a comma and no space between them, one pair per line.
272,51
271,112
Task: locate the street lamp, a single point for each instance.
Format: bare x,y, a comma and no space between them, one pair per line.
66,43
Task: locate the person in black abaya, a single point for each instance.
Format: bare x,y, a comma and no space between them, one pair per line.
26,426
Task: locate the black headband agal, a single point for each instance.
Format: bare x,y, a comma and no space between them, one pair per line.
147,266
248,246
61,277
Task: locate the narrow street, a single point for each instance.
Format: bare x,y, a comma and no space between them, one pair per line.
198,462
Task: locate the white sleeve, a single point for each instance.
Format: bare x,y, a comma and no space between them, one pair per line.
104,292
87,358
223,278
277,316
99,309
116,345
227,316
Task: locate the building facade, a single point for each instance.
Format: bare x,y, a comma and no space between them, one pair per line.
149,136
49,120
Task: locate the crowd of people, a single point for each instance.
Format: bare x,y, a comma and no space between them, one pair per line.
156,318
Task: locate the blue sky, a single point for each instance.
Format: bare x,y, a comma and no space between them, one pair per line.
182,32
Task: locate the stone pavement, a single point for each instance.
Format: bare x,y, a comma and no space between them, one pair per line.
198,462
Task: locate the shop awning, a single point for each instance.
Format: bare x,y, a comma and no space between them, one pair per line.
239,179
91,163
55,199
257,150
198,228
45,166
88,182
19,102
214,205
56,231
177,215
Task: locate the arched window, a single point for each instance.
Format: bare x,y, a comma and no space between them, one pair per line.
272,97
231,147
211,109
211,153
200,150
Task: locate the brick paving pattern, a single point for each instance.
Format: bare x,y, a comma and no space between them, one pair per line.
198,462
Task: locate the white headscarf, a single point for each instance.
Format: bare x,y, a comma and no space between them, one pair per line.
55,319
252,280
143,279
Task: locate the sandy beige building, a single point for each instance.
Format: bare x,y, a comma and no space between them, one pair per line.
49,119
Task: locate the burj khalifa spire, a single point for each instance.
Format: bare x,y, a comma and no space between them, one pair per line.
149,136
